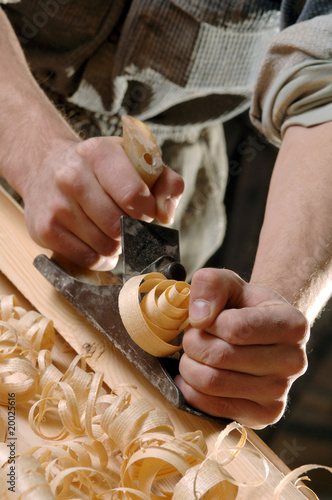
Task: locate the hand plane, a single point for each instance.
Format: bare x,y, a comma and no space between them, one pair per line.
146,248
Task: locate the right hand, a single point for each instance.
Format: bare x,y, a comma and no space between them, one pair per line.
75,197
245,347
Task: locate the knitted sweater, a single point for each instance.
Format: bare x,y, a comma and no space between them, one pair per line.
177,62
183,66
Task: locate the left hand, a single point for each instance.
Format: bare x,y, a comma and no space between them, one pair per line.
243,350
75,196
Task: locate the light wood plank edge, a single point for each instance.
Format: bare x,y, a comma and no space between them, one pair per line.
17,253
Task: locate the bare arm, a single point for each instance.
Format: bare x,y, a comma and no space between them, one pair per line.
74,192
294,255
247,344
27,117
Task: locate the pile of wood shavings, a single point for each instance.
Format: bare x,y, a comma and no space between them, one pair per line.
98,445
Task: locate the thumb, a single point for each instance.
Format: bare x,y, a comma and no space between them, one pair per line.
212,291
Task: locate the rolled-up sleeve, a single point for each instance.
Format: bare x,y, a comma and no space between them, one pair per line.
294,84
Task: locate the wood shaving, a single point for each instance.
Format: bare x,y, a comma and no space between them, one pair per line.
99,445
160,316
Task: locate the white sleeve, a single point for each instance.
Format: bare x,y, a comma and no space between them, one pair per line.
294,85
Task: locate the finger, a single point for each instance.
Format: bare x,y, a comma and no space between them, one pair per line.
118,177
62,215
224,305
83,228
278,359
273,324
105,263
246,412
212,290
167,192
65,243
82,187
231,384
75,250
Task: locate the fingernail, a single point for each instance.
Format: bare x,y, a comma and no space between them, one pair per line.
146,218
105,263
199,309
171,204
145,192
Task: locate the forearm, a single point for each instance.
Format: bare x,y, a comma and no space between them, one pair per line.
29,123
294,255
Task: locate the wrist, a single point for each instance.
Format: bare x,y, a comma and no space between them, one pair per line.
30,128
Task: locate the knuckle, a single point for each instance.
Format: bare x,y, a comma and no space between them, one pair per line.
190,341
114,228
208,357
46,227
206,275
273,412
241,331
212,383
107,247
58,210
46,230
67,177
215,276
91,145
90,148
177,183
129,198
270,414
301,328
216,355
301,362
297,326
200,347
237,327
294,360
204,379
278,387
221,407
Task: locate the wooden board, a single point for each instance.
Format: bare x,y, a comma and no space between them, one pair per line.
16,257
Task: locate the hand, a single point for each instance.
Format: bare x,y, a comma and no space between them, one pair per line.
74,199
243,350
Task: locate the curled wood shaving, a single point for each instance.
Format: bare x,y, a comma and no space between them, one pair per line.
85,480
110,447
151,459
160,316
19,376
130,493
294,476
9,307
222,436
135,419
206,482
22,335
35,329
31,481
72,397
3,430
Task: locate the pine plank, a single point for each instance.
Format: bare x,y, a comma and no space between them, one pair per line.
16,257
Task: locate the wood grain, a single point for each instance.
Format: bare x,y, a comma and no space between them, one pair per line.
16,257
